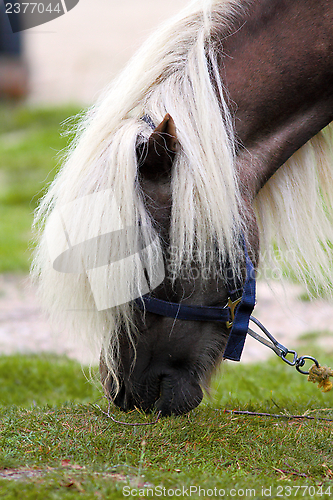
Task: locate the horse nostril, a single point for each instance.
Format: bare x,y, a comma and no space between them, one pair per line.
124,399
143,395
178,395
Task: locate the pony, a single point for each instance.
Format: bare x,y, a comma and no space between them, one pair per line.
210,139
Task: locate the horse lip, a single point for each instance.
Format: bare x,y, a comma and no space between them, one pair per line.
176,394
159,401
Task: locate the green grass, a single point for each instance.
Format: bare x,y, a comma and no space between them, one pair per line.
49,426
30,143
36,380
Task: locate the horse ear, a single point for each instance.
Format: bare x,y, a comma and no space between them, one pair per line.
158,155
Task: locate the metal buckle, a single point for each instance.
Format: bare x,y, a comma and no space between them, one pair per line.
232,306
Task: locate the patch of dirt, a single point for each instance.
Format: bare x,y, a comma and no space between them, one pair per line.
19,474
73,57
24,328
74,475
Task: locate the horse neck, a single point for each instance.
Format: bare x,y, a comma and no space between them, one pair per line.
278,69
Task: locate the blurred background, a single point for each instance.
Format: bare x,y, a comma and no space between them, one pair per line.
47,74
73,57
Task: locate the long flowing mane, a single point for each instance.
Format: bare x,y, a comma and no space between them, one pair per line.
175,72
294,212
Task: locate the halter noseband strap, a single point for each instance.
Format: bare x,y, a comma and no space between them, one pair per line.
236,314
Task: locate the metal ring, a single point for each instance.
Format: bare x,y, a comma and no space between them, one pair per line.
301,362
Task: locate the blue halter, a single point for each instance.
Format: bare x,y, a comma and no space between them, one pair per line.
236,314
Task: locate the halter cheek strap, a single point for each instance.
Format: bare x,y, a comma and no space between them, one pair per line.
236,315
240,324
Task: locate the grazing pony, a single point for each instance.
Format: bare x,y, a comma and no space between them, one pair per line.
210,137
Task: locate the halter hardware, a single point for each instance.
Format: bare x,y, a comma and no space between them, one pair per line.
279,349
232,304
236,315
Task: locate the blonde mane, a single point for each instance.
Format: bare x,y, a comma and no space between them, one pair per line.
294,212
172,73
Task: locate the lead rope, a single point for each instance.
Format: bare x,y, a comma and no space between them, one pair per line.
316,374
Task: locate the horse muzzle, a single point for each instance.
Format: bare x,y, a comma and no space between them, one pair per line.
170,393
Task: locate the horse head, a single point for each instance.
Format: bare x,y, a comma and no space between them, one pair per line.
169,362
